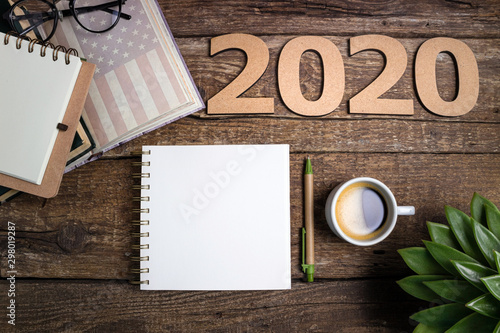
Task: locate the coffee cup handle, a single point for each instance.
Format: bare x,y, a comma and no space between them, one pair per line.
406,210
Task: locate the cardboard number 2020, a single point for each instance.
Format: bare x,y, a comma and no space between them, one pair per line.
367,101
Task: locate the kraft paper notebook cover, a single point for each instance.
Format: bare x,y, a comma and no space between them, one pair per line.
214,218
27,165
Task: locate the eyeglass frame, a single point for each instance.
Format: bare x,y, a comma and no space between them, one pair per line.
59,14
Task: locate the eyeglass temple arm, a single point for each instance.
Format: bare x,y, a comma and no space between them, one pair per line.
65,13
122,15
31,27
103,7
29,16
44,16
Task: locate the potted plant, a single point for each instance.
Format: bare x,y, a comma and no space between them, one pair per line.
459,271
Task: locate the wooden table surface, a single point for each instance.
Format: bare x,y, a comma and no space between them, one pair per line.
73,251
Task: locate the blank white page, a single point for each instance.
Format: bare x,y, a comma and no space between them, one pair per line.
219,217
34,95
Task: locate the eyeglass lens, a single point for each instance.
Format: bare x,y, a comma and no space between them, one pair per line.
96,15
35,16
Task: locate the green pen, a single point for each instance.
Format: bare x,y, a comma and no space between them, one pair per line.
308,231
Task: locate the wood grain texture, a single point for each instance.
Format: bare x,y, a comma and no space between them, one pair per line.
114,306
423,18
327,135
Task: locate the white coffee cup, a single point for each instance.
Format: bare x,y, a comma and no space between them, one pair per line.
392,210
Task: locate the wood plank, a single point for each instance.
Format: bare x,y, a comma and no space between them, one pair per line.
212,74
104,306
84,231
327,135
427,18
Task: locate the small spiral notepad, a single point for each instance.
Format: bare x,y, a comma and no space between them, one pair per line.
214,218
43,89
35,90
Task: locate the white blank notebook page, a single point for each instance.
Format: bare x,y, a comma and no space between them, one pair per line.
219,217
35,92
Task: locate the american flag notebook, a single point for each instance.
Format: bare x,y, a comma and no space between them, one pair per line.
141,81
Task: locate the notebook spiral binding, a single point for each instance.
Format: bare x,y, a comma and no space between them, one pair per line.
43,50
137,223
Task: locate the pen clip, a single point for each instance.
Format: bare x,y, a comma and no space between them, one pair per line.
306,268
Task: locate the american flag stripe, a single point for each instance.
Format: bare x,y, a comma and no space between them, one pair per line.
101,117
106,94
92,120
142,90
131,95
161,70
179,93
121,100
152,82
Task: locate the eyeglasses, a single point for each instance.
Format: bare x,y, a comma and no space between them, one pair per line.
40,16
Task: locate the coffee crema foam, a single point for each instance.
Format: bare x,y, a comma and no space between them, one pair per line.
360,211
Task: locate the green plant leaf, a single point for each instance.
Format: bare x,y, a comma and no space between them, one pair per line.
459,291
497,260
442,316
421,262
497,329
493,285
493,219
421,328
413,285
473,272
444,254
442,234
461,226
474,323
477,210
487,305
487,242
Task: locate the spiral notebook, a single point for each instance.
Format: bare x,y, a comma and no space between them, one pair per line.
214,218
41,88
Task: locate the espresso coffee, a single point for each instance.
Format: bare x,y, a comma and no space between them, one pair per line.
361,211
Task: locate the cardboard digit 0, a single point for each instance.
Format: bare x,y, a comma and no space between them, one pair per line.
425,77
227,101
367,101
289,76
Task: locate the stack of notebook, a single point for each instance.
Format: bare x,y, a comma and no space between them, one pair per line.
140,83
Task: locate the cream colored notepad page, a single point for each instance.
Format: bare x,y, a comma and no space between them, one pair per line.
219,217
34,94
